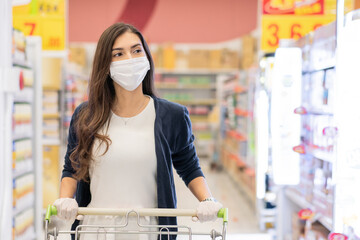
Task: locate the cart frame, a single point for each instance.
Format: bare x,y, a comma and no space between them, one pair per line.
119,229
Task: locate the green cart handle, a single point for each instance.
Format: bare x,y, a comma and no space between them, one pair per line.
224,214
52,211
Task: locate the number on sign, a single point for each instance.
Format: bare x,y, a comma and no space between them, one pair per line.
32,26
293,33
275,29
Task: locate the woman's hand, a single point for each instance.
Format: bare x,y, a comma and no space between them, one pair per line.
67,208
207,210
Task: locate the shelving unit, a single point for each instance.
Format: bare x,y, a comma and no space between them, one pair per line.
236,136
75,93
23,136
197,90
329,89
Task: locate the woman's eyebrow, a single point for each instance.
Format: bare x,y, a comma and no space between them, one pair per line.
134,46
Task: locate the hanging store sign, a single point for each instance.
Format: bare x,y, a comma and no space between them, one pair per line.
296,7
275,28
292,19
45,18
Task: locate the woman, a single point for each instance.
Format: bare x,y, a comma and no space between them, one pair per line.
124,141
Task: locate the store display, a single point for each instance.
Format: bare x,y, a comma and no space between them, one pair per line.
327,131
197,91
20,89
236,130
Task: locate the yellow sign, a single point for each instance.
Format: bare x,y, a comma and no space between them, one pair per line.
275,28
45,18
281,20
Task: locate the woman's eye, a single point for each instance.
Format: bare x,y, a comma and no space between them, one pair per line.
118,54
138,51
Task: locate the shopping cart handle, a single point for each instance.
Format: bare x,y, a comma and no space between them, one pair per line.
223,213
52,211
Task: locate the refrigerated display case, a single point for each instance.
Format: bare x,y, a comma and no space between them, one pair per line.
328,151
21,142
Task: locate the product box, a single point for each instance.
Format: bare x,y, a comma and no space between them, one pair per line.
230,59
169,57
51,175
51,73
78,56
199,59
248,51
181,60
215,59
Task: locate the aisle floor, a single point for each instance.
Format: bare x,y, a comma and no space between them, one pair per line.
243,223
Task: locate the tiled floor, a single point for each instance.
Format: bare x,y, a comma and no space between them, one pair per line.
242,219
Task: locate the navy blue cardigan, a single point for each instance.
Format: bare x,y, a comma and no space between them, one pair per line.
173,145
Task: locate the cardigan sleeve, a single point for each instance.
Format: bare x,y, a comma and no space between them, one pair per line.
68,170
185,160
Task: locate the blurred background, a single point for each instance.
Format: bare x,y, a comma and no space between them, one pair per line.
271,87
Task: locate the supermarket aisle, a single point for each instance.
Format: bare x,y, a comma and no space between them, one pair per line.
242,218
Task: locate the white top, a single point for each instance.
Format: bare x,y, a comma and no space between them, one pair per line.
125,176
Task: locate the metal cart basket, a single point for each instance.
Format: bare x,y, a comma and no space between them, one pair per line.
163,230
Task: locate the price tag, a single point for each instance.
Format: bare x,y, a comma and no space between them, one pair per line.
50,28
44,18
275,28
337,236
305,214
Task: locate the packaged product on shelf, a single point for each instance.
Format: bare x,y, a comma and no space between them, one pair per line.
23,223
215,61
181,60
22,154
19,44
198,59
169,57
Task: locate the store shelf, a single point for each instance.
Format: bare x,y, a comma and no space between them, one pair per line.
23,167
238,136
196,102
25,203
197,71
199,119
178,86
51,142
20,63
51,115
19,137
300,201
328,157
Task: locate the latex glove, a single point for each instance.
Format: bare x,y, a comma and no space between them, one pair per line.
67,208
207,211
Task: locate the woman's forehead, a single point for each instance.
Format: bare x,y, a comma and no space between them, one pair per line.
126,40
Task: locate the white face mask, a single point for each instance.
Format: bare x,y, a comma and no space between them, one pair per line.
129,73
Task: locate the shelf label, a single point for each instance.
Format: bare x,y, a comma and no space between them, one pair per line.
306,214
300,110
337,236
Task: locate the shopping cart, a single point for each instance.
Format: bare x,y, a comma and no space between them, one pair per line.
163,230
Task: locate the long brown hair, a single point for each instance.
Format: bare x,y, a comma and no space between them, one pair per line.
95,114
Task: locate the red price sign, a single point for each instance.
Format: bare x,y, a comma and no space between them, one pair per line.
275,28
305,214
337,236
